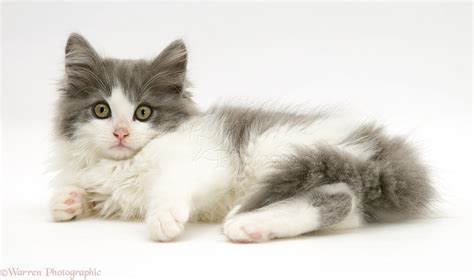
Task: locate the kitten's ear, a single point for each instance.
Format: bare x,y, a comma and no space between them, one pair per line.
170,65
79,54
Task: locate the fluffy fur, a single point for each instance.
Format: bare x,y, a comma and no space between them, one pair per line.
274,173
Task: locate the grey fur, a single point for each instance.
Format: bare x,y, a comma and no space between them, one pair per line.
333,208
160,83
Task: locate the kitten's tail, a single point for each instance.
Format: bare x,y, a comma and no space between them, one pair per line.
403,188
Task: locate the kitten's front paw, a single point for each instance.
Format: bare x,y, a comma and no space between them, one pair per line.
67,205
166,225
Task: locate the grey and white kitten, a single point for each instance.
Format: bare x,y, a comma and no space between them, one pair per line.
133,145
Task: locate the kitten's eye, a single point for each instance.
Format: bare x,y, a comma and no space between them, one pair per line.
143,112
102,110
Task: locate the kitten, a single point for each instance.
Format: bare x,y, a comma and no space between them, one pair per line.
133,145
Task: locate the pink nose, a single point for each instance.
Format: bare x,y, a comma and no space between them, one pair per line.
121,133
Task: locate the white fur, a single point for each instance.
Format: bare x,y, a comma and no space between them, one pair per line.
193,174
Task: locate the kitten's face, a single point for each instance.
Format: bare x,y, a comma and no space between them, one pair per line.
115,107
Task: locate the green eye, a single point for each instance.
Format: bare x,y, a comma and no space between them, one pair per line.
102,110
143,112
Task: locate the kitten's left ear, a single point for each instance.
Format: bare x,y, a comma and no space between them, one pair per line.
171,65
79,54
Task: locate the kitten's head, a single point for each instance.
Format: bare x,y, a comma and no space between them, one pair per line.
115,107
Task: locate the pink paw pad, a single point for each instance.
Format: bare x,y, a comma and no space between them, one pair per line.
69,201
255,235
73,194
70,211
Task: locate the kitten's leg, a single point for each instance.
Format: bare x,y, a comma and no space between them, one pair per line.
172,198
68,203
323,207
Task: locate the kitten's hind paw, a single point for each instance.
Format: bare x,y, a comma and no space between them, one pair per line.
67,205
247,228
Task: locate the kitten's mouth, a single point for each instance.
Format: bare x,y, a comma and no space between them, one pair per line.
121,146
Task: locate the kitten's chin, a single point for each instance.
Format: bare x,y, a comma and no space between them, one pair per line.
121,153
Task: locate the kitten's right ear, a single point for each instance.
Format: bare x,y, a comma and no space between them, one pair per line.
79,54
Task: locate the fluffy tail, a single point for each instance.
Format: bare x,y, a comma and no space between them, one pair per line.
403,189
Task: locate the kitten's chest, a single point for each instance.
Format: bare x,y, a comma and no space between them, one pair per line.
116,189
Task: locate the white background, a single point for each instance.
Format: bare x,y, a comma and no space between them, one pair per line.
407,64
